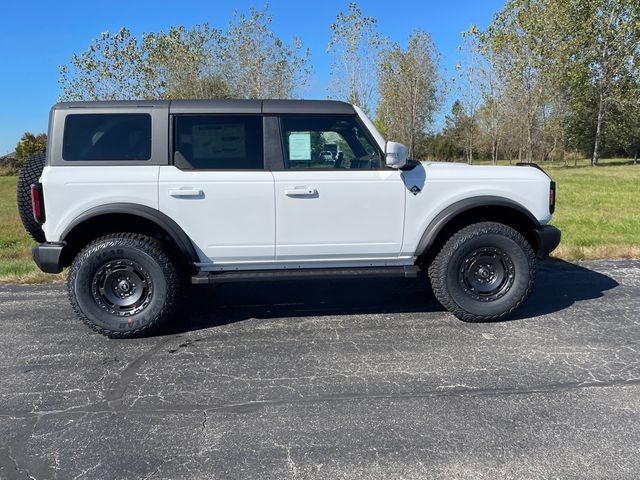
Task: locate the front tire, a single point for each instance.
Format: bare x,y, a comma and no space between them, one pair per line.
124,285
484,272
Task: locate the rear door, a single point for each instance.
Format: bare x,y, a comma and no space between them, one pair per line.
336,202
218,190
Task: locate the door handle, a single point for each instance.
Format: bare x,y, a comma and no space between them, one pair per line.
186,192
301,192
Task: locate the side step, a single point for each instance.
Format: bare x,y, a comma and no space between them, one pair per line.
206,278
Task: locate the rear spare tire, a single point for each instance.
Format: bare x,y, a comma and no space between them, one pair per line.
30,174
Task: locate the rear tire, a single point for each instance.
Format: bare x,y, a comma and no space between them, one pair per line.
30,174
124,285
484,272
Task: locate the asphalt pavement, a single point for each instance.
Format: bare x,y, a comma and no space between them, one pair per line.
347,379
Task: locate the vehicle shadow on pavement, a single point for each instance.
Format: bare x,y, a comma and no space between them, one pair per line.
559,285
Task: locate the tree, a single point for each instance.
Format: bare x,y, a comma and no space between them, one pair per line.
517,36
623,127
569,68
246,61
409,90
182,63
30,144
355,47
484,81
469,87
457,125
257,64
111,68
602,56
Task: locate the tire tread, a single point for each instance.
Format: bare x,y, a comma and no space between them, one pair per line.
437,270
152,247
30,174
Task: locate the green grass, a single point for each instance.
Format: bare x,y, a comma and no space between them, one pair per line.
15,245
598,211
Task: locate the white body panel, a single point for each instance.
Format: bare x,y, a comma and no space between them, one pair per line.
232,222
71,191
245,220
444,184
340,215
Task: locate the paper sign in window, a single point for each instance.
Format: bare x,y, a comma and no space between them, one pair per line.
219,141
300,146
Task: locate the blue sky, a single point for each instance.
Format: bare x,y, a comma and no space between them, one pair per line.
38,36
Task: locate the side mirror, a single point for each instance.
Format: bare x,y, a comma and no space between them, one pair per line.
396,155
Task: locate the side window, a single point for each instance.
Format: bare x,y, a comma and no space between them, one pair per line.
213,142
107,136
324,141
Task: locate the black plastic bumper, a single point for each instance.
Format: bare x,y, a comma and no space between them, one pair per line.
547,238
48,257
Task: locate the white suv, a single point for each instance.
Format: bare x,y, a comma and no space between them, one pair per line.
139,197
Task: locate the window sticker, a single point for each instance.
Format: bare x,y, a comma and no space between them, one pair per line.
218,141
300,146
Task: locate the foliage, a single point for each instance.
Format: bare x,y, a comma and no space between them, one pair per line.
546,80
554,77
603,58
28,145
255,63
409,90
113,67
355,47
246,61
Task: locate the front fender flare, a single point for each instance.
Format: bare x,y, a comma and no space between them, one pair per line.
455,209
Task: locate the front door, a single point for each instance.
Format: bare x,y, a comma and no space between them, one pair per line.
336,202
219,192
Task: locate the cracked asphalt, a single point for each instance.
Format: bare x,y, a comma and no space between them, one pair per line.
340,379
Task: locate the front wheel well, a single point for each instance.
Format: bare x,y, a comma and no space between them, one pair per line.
98,226
506,215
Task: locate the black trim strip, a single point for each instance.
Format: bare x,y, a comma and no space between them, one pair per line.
438,223
205,278
163,221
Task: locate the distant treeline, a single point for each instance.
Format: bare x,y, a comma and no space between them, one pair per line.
548,79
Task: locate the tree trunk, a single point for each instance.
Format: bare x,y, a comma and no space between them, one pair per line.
635,157
564,159
596,145
494,151
530,144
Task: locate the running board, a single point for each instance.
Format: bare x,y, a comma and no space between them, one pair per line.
206,278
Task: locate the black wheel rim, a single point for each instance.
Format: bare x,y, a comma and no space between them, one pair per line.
486,274
122,287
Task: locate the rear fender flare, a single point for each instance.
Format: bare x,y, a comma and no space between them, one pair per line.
179,237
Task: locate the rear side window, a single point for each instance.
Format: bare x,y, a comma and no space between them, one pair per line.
218,142
108,136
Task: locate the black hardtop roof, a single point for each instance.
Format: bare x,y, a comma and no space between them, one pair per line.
222,106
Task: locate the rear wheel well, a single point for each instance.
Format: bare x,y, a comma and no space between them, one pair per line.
511,217
108,223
